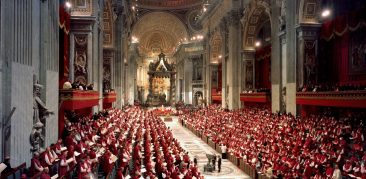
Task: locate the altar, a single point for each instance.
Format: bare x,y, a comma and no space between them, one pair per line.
161,83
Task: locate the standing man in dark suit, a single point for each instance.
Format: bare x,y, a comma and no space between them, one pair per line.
214,162
219,164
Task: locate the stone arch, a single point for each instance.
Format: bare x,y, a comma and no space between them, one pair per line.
254,16
309,11
159,31
216,47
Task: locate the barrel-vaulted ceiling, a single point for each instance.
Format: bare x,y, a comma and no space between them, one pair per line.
168,4
159,31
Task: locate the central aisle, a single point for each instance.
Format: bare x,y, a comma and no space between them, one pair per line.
196,147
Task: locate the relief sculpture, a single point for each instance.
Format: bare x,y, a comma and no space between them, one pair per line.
40,114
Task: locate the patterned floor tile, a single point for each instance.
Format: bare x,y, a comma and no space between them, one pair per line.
196,147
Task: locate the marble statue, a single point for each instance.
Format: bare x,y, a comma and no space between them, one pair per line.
36,137
282,17
40,113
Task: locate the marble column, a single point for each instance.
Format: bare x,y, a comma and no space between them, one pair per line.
307,38
118,66
225,49
234,60
2,114
290,93
131,80
275,58
206,77
283,70
188,69
180,80
49,67
134,77
209,79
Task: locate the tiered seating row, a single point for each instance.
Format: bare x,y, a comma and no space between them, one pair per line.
117,144
233,159
260,142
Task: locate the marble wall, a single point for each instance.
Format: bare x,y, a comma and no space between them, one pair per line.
51,90
1,94
22,120
28,47
118,62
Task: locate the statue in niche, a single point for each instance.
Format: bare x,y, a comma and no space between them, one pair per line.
310,66
40,113
249,75
282,17
106,79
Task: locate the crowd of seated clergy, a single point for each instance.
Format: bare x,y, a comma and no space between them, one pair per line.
331,87
132,143
281,145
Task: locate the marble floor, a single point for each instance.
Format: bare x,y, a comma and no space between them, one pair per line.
196,147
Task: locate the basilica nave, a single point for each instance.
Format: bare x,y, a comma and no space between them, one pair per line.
172,88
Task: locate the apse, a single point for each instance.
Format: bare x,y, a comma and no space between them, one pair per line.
159,32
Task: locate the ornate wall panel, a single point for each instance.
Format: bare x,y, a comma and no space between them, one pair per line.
309,10
82,7
107,25
249,80
107,71
216,48
81,58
